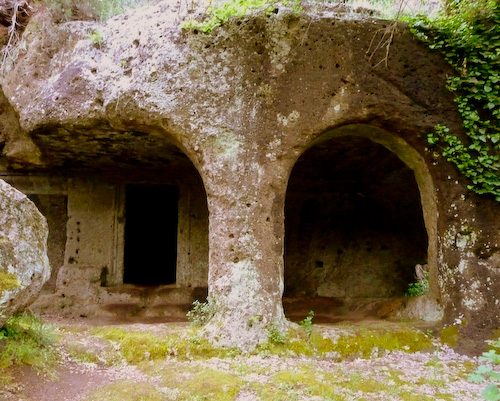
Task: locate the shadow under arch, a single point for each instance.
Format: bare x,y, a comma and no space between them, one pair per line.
124,186
390,298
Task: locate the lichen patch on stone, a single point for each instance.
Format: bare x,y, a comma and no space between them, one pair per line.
8,281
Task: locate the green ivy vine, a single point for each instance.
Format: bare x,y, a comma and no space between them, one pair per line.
468,36
220,12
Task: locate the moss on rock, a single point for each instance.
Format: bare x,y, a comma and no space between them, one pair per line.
8,281
450,335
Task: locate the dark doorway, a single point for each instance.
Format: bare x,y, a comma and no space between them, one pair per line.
150,235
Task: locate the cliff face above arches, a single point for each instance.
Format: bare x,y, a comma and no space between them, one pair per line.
256,77
243,103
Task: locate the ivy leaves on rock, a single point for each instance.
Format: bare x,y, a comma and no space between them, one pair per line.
219,13
468,36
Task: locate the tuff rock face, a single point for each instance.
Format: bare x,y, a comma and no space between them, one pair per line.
243,104
24,266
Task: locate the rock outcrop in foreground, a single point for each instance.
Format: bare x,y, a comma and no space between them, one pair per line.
24,266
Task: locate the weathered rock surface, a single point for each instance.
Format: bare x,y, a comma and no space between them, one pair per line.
24,266
243,104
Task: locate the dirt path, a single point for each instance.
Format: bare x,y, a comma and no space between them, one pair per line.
107,361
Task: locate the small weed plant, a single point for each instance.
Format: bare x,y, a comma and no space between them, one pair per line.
418,288
275,334
307,324
421,286
486,373
201,312
96,38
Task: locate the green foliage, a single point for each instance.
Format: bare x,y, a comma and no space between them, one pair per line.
358,342
468,36
485,372
26,340
373,343
96,38
220,13
307,324
418,288
99,10
421,287
274,333
137,347
450,335
201,312
126,391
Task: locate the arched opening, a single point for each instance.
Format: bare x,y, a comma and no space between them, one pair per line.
355,227
133,228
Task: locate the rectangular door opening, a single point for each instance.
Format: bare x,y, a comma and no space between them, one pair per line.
151,214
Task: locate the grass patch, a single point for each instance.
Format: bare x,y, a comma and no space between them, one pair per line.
412,396
306,381
213,385
194,382
431,382
372,343
358,382
356,343
89,349
450,335
309,382
127,391
137,347
26,340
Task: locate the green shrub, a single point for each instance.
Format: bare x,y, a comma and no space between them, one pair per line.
486,373
417,289
307,323
26,340
468,36
201,312
96,38
274,333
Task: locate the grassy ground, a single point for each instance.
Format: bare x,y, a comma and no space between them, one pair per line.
92,361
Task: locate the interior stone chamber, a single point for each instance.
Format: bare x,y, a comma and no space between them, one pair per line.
354,222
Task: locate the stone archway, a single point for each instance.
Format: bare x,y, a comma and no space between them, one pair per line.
360,215
132,235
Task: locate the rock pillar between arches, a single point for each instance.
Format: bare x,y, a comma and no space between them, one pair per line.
246,236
